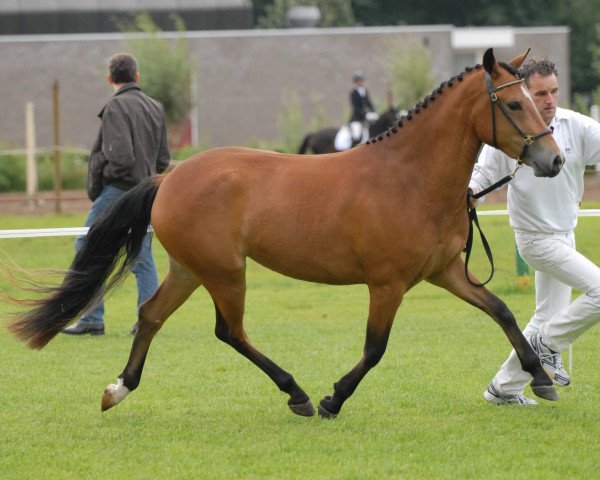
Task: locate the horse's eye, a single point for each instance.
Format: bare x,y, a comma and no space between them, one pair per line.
514,106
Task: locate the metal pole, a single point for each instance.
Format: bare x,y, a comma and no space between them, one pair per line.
30,147
523,278
57,159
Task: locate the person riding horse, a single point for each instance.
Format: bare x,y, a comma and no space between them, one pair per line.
363,112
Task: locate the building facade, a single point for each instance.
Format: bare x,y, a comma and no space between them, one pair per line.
245,77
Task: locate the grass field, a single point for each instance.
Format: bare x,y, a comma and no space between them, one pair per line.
202,411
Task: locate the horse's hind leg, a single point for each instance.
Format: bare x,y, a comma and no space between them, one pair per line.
175,289
383,305
229,328
454,280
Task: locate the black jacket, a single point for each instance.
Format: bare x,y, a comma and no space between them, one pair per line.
360,105
131,144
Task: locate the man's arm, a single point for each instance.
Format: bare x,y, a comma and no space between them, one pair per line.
591,141
491,166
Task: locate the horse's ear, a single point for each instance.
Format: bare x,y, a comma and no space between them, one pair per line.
489,61
519,59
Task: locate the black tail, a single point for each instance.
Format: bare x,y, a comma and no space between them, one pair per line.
114,240
304,147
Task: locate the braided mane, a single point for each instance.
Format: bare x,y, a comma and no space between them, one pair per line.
423,104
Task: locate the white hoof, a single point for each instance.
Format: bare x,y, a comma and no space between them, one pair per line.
113,394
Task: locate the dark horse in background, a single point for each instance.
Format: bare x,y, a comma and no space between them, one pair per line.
323,140
388,214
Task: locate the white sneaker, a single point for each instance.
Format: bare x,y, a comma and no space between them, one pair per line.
551,361
495,396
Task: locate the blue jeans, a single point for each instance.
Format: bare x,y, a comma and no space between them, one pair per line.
144,268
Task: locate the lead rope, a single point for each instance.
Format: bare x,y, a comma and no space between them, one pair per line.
473,219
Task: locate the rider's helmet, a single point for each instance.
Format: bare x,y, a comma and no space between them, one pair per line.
358,76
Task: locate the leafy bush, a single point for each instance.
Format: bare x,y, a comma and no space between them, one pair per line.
13,173
409,66
166,67
290,121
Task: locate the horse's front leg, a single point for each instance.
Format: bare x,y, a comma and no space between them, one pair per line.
384,303
454,280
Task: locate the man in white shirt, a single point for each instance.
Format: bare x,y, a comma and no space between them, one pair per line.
543,213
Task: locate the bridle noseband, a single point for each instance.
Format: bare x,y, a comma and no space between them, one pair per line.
528,139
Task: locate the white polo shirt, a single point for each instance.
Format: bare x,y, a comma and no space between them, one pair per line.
540,204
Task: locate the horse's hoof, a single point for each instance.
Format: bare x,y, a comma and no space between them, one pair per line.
304,409
545,391
323,412
107,401
113,394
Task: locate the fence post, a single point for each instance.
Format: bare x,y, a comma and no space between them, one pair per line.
30,147
523,278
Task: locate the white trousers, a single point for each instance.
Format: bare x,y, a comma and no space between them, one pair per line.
558,268
356,129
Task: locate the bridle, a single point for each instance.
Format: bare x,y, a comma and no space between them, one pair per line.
529,140
494,101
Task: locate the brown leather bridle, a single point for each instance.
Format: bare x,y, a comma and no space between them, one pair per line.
494,101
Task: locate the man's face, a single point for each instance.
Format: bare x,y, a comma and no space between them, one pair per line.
544,91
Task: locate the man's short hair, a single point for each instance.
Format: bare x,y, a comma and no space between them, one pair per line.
543,68
122,67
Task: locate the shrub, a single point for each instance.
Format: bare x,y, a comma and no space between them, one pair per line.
166,67
13,174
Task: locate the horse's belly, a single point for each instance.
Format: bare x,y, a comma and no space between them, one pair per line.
321,265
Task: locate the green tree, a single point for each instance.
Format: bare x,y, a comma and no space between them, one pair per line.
290,121
409,67
166,67
581,16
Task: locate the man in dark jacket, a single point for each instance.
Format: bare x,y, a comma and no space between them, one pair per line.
131,146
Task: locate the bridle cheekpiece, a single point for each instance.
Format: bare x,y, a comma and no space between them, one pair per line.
494,101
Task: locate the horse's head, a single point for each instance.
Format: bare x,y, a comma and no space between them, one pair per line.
515,126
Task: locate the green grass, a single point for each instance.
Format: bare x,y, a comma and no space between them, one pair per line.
203,411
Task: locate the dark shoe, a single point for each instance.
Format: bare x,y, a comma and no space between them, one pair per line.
133,330
82,328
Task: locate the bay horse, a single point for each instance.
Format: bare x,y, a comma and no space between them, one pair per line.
323,140
387,214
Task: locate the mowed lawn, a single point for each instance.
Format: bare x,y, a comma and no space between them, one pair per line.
203,411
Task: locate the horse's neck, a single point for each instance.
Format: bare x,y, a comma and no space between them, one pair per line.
438,147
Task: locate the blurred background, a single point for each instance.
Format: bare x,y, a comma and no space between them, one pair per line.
258,73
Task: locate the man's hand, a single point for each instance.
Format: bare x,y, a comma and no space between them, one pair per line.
372,116
471,201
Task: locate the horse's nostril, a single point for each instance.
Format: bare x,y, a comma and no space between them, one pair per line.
557,165
558,162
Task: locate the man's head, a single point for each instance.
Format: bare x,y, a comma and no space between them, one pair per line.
122,68
541,79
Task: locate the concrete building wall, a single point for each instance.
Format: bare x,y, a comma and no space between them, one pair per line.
244,76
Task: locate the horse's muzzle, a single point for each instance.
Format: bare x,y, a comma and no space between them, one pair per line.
555,167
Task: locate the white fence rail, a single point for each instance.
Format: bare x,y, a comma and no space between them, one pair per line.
66,232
